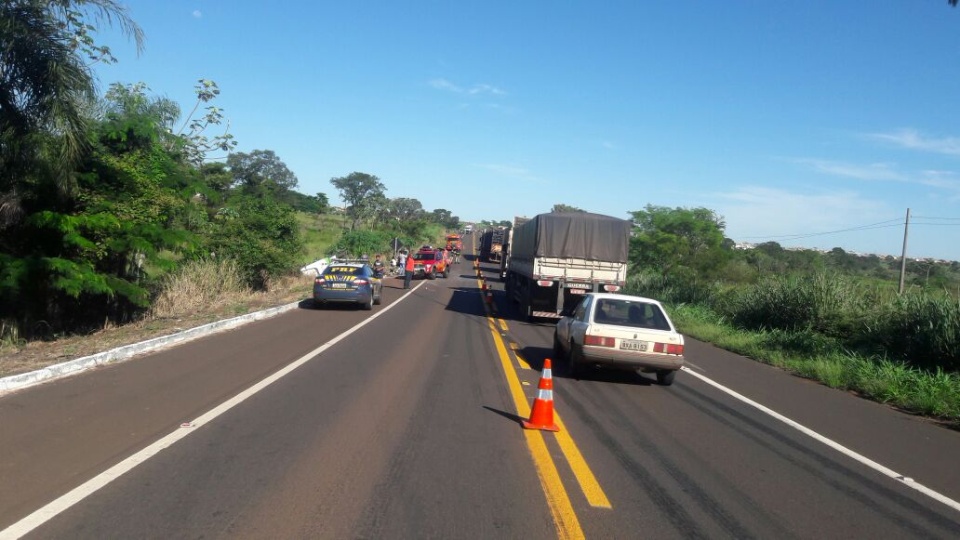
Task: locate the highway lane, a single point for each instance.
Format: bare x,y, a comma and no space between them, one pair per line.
398,430
690,461
407,429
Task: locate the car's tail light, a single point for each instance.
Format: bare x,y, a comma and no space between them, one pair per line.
359,282
319,281
668,348
598,341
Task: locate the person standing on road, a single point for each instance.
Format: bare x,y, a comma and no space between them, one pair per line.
401,262
408,271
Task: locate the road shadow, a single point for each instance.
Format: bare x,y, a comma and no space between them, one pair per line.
505,414
536,355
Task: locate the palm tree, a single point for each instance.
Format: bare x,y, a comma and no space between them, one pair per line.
47,88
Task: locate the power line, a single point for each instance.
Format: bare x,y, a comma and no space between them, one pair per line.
880,225
941,218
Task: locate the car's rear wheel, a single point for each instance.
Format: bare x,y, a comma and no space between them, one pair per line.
666,377
378,297
446,272
368,305
558,353
575,365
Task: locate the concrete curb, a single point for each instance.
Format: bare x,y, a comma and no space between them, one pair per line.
72,367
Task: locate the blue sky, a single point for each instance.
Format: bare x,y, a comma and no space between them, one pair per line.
814,123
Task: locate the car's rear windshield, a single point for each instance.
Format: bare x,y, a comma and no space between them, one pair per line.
343,271
630,313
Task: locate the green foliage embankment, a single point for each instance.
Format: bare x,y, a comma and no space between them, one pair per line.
900,350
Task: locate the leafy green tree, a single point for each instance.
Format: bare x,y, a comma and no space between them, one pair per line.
82,258
192,140
217,178
323,203
261,234
357,243
45,87
561,208
446,219
403,210
362,193
260,172
669,239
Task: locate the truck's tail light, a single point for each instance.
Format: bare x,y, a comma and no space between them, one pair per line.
668,348
611,288
598,341
544,283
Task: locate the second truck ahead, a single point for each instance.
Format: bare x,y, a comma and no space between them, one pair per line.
556,258
491,244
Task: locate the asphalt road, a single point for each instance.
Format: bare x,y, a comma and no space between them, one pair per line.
407,427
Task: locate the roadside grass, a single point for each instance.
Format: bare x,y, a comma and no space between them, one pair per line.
807,354
319,232
197,285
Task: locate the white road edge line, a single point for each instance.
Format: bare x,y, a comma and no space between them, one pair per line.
74,496
906,481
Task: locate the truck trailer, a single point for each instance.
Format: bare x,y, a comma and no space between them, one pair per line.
507,243
556,258
491,244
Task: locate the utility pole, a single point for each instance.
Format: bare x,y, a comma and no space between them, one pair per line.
903,256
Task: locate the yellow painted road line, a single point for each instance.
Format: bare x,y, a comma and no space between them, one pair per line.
520,359
565,519
588,482
503,325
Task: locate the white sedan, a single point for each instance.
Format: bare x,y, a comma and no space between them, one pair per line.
622,332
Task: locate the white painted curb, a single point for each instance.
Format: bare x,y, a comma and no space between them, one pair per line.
72,367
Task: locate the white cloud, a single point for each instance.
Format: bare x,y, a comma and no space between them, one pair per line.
753,213
872,171
443,84
197,14
885,172
475,90
914,140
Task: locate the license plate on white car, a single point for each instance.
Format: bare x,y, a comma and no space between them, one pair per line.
633,345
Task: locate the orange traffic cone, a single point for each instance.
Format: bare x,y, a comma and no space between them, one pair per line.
541,416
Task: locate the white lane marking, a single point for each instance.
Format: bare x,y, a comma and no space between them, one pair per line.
905,480
691,364
64,502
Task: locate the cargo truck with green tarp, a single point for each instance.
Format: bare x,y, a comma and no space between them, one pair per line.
556,258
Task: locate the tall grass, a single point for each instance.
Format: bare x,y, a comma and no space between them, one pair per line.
922,328
199,284
900,350
319,232
933,393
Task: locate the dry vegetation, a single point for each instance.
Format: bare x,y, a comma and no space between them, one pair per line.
198,294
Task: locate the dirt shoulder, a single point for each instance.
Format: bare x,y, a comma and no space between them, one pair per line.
33,355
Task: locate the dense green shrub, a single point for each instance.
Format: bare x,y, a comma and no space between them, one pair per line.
921,328
829,304
676,288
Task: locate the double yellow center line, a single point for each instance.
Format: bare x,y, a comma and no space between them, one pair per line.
567,523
